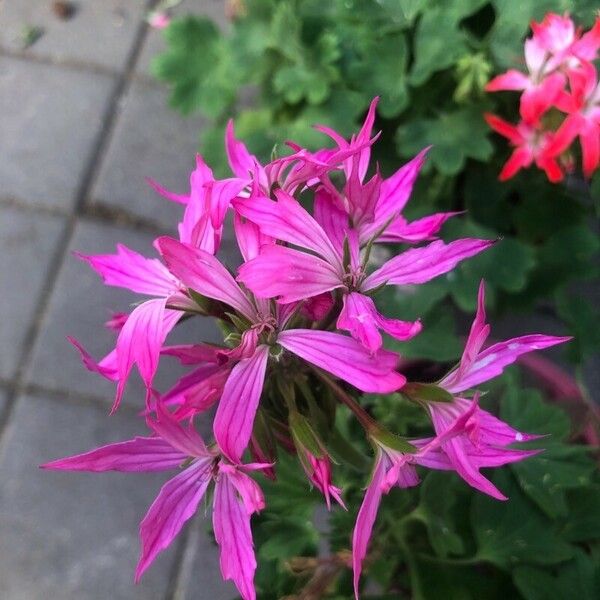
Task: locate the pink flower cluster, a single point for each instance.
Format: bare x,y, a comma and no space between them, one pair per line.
561,76
300,317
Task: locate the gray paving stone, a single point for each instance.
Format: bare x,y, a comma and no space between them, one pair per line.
200,575
49,119
154,42
27,245
79,306
150,140
65,535
100,32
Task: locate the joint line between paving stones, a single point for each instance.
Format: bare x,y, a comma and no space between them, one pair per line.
87,181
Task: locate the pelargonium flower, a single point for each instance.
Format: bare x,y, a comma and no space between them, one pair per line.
485,438
236,498
292,275
532,145
335,353
582,106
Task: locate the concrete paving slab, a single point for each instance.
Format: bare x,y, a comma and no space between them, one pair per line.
97,33
49,120
150,140
72,535
27,246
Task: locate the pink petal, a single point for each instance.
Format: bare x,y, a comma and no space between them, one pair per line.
179,198
511,80
287,221
184,439
141,340
419,265
193,354
108,367
366,519
395,193
345,358
287,273
420,230
491,362
505,129
203,273
249,237
317,307
132,271
176,502
235,415
139,454
535,101
331,217
231,525
248,490
521,158
222,192
360,317
590,146
242,163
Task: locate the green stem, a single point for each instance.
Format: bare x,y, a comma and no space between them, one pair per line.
364,418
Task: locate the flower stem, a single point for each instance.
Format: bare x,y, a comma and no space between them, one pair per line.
361,414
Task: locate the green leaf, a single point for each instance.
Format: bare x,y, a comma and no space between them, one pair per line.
546,477
435,510
385,77
579,578
410,302
505,266
583,521
437,341
435,52
286,536
198,67
513,532
455,136
582,318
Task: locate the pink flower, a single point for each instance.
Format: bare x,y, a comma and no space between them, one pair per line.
238,403
484,440
582,106
159,20
532,145
236,497
144,331
292,275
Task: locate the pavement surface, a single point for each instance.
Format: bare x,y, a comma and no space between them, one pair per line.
82,124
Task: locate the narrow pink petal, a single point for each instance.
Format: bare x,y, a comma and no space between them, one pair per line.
366,519
249,491
477,335
332,218
419,265
222,192
242,163
249,237
394,194
317,307
203,273
287,273
590,146
136,455
108,366
231,525
130,270
536,100
141,340
235,415
420,230
492,361
287,221
511,80
345,358
159,189
505,129
193,354
176,502
361,318
184,439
